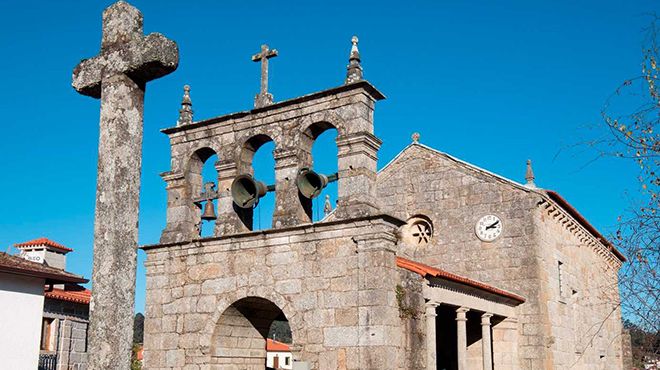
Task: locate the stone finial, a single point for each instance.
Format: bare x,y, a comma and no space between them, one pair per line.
529,175
415,137
186,112
327,207
354,68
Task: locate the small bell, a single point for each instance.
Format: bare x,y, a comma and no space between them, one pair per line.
209,211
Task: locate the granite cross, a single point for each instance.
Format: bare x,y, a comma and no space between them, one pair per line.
118,76
264,98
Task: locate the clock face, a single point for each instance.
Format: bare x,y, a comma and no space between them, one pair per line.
488,228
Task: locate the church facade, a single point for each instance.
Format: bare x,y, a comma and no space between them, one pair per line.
427,263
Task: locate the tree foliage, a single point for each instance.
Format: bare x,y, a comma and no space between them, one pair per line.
280,331
138,328
631,117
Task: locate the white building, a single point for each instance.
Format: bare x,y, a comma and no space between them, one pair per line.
278,355
21,308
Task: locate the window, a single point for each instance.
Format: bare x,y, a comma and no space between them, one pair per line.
418,231
560,268
46,334
287,360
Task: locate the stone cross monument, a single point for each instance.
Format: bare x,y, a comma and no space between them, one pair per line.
264,98
118,76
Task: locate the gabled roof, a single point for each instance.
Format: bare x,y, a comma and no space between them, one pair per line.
460,162
547,194
563,203
427,271
275,346
43,242
19,266
70,293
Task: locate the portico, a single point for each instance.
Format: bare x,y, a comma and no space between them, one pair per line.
469,324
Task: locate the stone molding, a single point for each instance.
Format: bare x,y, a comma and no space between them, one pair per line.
562,218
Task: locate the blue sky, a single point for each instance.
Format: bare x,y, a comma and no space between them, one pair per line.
493,83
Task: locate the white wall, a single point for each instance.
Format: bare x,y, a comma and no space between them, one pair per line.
21,311
270,359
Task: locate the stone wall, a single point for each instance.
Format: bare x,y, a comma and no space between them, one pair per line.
454,196
523,260
71,327
580,292
335,282
411,305
293,126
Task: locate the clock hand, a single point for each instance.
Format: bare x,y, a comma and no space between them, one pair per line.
491,226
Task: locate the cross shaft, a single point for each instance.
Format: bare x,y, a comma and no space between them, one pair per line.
118,76
264,98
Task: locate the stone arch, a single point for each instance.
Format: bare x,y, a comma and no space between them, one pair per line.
237,330
245,156
250,146
314,126
194,180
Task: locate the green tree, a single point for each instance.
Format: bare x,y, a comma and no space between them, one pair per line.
138,328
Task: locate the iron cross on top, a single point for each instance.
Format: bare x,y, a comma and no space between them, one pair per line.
264,98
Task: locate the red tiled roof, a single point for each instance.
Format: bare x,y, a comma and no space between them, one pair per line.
275,346
425,270
70,293
43,241
19,266
563,203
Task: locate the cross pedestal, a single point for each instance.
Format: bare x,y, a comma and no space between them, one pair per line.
118,76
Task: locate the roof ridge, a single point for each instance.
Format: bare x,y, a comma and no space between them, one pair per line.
461,162
43,241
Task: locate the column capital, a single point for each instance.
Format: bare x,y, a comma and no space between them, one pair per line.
485,319
460,313
430,309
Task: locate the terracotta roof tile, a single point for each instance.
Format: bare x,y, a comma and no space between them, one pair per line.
43,241
19,266
275,346
70,293
425,270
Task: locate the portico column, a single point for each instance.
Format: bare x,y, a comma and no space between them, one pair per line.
486,341
431,357
461,337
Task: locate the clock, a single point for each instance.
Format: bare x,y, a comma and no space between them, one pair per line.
488,228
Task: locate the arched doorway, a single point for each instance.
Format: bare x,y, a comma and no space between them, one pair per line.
239,338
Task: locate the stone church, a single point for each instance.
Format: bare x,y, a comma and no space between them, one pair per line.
428,263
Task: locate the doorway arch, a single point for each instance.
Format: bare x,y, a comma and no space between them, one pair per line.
239,337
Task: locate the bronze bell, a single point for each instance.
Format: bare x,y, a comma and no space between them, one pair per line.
310,183
209,211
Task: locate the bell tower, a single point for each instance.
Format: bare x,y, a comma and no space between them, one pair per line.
293,125
333,280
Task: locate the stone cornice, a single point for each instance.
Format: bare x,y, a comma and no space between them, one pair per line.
308,229
568,222
363,85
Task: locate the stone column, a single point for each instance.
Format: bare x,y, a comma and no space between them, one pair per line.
180,224
229,220
431,355
357,168
461,337
290,208
375,332
486,341
118,76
